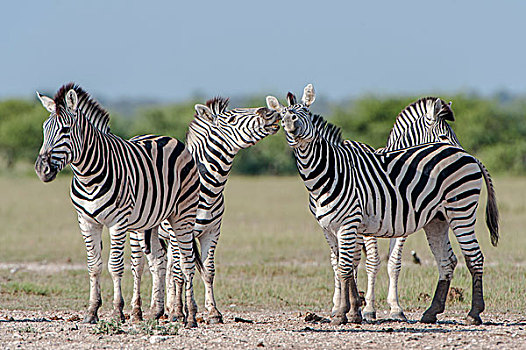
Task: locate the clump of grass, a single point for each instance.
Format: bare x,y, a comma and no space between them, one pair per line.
26,288
153,327
108,327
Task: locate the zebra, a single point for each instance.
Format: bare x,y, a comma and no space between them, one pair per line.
354,190
214,137
422,121
126,185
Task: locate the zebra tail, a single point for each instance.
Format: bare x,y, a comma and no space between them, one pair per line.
492,211
198,261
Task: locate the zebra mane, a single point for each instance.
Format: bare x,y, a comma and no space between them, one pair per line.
218,104
329,132
421,108
89,108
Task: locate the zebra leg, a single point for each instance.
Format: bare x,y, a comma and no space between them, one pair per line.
92,234
157,262
463,226
372,265
208,244
349,301
393,269
116,268
137,267
183,239
170,282
333,244
177,286
437,237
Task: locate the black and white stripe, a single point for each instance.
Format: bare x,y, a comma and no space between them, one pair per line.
214,138
125,185
354,190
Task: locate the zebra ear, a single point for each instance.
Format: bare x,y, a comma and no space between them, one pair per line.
308,95
47,102
72,100
274,104
204,112
291,99
437,108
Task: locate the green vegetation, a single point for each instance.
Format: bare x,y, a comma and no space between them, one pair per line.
108,327
272,254
493,129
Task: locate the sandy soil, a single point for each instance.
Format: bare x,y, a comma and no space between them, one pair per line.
287,330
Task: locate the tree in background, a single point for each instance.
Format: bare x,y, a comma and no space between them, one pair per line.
20,130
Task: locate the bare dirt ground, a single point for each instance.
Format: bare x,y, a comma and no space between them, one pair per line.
286,330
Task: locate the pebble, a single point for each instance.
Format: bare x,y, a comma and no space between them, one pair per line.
155,339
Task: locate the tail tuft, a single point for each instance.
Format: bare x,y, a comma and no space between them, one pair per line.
198,262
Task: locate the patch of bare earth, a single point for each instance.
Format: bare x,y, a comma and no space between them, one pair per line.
265,329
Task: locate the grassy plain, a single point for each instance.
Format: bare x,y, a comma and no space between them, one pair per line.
271,255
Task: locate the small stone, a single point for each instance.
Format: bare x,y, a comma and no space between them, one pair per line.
260,344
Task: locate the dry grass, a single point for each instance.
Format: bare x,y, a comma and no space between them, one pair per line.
272,254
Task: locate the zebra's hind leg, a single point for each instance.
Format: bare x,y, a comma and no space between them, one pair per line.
116,268
92,234
372,265
463,226
137,267
176,283
183,238
437,237
208,244
157,262
393,269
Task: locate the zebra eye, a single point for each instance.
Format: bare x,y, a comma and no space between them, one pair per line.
64,130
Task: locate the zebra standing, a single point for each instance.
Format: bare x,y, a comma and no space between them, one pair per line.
353,190
423,121
125,185
214,138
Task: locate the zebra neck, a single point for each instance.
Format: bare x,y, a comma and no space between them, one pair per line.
213,159
94,151
317,166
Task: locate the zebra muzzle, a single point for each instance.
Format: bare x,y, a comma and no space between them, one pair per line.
45,171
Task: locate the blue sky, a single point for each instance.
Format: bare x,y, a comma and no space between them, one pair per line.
172,50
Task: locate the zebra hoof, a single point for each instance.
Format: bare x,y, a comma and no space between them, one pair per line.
215,319
136,316
191,324
338,320
397,316
90,319
118,316
473,320
177,318
369,316
428,318
156,314
356,318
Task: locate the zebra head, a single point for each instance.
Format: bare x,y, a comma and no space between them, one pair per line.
239,127
296,119
57,149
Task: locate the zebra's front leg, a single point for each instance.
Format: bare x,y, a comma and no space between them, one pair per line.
156,257
393,270
175,283
372,265
137,267
92,234
208,244
437,237
349,298
116,268
333,244
183,238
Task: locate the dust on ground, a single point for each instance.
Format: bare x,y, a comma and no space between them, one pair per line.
265,329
